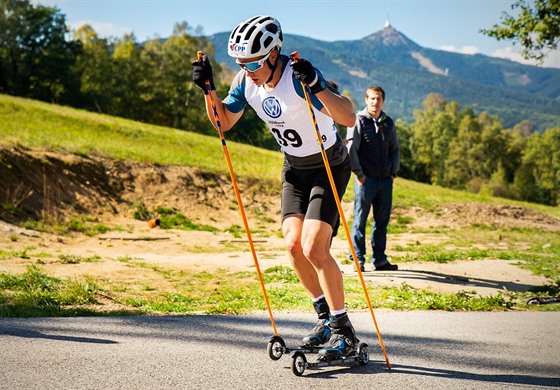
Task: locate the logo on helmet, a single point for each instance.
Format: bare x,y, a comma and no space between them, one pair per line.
237,49
272,107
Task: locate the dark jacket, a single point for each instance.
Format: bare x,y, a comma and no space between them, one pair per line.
373,153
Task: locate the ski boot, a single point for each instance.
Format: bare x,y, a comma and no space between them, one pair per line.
321,332
343,339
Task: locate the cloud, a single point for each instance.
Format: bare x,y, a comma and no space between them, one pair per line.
462,50
552,60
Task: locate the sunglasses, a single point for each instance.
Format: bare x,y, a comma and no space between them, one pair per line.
253,66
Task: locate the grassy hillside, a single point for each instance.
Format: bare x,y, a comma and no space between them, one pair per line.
36,124
50,127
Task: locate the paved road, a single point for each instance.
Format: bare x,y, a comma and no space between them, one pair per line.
428,350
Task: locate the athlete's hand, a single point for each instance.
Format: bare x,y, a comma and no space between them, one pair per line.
305,72
202,72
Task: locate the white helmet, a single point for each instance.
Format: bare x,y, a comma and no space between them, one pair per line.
255,37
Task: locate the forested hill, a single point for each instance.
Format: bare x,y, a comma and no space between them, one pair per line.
409,72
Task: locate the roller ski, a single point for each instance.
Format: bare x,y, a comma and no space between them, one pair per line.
312,343
343,347
299,363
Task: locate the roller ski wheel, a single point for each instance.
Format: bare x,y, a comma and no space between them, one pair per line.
363,354
299,363
276,347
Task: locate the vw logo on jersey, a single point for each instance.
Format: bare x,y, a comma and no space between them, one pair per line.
272,107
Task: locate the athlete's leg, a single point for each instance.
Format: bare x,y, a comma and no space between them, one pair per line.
292,229
315,243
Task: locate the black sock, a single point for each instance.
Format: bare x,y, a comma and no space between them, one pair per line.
321,308
339,321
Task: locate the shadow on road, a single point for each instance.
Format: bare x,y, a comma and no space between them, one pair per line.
29,333
449,279
494,378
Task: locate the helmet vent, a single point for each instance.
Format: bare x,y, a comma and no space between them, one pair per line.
257,43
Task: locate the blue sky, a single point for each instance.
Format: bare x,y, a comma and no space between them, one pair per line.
451,25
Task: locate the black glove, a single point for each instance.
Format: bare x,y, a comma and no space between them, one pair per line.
305,72
202,72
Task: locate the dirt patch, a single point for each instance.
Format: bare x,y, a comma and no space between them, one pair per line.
204,251
58,186
497,216
457,215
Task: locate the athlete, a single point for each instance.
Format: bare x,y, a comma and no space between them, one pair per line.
271,84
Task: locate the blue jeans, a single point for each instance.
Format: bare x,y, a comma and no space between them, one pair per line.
376,193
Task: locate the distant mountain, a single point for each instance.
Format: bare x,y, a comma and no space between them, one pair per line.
409,72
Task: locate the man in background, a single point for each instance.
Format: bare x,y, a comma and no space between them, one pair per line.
375,157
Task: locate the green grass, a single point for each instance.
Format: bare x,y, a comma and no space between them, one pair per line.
34,293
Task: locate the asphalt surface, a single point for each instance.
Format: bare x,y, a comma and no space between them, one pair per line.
427,350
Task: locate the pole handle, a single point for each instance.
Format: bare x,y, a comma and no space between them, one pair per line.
199,55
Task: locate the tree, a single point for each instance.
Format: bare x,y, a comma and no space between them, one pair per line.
436,126
541,162
153,83
422,140
536,29
127,88
517,140
35,57
465,154
404,134
178,53
478,157
494,141
95,69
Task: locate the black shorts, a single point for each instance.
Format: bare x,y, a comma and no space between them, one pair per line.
308,192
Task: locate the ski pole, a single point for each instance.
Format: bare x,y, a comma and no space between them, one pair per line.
199,55
306,91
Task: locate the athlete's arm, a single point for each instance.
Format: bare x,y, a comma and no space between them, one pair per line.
338,107
335,105
203,78
227,118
